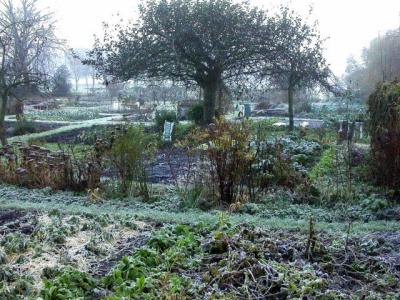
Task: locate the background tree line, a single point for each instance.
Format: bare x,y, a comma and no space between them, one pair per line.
380,62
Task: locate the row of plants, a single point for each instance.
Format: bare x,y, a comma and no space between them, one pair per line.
237,162
63,114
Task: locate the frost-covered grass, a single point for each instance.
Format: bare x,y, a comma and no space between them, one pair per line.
78,148
167,209
53,240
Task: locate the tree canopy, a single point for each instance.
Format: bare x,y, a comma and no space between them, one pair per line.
209,43
203,42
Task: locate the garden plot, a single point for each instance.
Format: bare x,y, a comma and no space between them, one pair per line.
33,244
63,129
12,128
81,256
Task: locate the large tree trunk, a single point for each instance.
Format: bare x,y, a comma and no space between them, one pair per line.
210,96
3,108
220,99
290,103
76,85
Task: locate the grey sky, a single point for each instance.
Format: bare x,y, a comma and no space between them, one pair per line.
350,24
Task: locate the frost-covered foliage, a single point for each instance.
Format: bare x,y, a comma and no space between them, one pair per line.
293,145
335,110
284,162
63,115
218,260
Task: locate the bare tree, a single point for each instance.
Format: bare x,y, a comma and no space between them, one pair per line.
299,61
75,67
27,37
74,58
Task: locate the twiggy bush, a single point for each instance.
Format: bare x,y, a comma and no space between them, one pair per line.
228,158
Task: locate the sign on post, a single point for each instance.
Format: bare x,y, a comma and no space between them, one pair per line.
168,128
247,110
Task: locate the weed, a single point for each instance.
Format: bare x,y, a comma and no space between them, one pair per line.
15,243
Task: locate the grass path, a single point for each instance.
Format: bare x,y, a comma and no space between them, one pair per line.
70,127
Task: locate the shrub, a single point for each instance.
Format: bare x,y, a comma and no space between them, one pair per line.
325,166
163,116
128,154
303,106
24,126
181,131
384,127
195,113
272,166
284,162
61,86
375,203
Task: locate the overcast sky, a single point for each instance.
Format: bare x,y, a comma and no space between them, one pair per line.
349,24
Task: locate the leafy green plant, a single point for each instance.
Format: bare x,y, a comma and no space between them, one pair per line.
324,166
147,273
68,284
3,258
15,243
163,116
181,131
